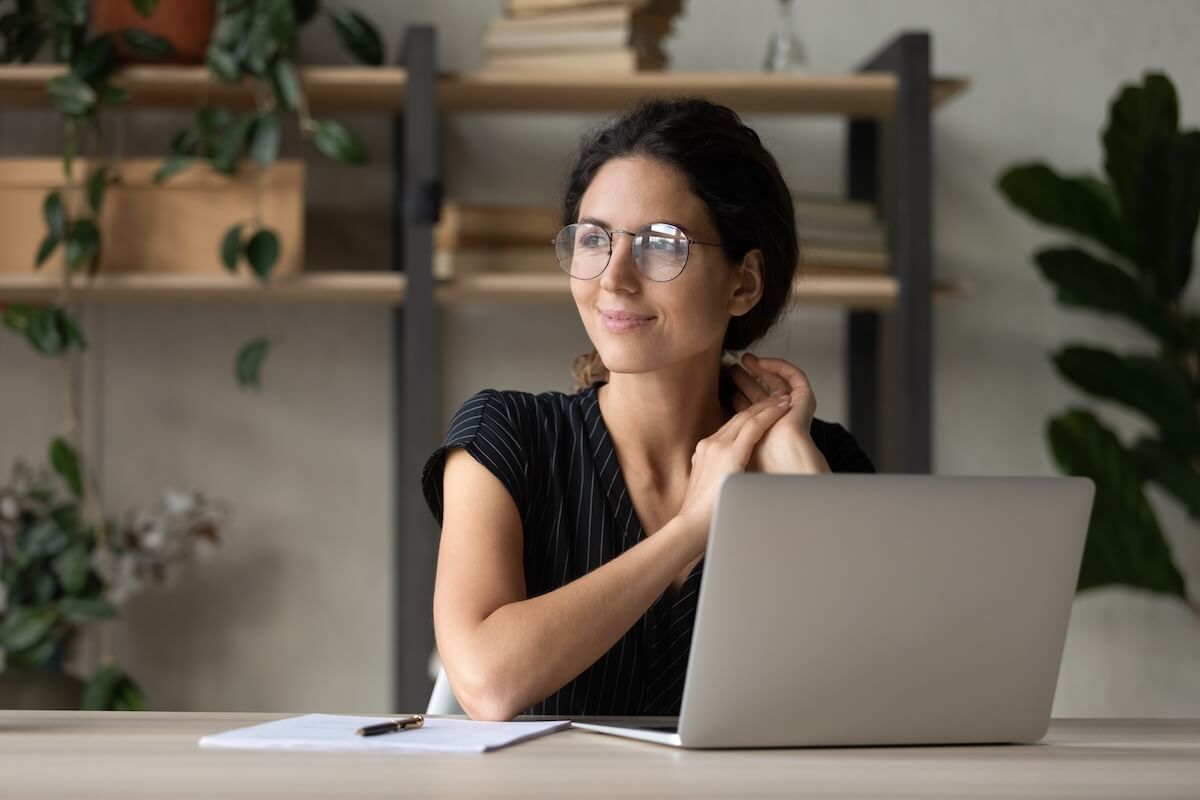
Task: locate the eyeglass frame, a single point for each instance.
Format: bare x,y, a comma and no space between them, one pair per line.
609,233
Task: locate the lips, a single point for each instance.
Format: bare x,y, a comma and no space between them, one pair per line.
616,321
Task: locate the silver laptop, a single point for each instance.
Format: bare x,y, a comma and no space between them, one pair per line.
879,610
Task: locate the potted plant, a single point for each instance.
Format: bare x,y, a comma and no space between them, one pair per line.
1135,231
60,575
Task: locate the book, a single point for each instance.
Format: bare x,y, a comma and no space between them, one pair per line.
828,210
497,41
519,8
451,262
599,17
474,224
624,61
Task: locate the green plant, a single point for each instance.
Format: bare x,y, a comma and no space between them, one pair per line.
1136,228
255,41
58,575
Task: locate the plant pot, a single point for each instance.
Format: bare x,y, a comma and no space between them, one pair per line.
173,227
24,689
186,24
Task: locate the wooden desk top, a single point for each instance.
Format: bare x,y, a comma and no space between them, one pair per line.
101,755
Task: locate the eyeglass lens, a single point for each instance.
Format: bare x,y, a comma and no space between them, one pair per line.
660,250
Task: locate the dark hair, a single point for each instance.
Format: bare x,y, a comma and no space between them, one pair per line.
727,167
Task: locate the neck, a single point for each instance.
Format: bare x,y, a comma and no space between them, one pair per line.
656,419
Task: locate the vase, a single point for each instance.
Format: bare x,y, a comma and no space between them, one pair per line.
27,689
186,24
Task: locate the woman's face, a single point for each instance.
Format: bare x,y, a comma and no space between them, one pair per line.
673,321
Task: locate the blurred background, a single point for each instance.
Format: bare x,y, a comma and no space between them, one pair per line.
293,610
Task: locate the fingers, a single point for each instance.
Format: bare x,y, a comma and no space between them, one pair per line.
750,388
773,381
756,425
793,379
774,407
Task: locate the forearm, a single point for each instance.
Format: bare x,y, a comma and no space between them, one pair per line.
524,651
801,456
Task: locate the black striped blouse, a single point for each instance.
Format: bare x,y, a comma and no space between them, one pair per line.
553,453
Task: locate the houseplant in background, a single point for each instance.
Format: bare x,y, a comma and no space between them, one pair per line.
62,560
254,41
1136,229
58,577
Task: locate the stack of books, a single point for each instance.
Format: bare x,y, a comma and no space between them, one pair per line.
837,237
472,238
610,36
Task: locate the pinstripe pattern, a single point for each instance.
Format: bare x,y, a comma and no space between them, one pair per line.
553,454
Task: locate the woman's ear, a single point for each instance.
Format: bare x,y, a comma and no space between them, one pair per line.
747,284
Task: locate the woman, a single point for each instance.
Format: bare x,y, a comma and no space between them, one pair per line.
574,526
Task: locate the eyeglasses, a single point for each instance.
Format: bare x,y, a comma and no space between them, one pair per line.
660,250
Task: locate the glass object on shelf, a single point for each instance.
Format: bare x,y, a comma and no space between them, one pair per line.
785,53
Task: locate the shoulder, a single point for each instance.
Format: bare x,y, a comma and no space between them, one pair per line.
840,448
517,410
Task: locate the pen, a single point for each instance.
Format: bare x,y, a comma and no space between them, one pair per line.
392,725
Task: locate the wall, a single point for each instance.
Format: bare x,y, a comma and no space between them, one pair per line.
294,612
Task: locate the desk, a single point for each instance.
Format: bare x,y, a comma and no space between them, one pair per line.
101,755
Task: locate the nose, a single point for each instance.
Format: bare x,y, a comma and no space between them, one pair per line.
621,273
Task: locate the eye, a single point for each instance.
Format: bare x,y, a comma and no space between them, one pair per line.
592,241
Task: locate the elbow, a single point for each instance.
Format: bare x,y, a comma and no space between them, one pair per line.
487,697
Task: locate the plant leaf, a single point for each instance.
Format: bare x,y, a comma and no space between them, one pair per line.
145,7
65,461
249,363
1084,281
84,609
1142,126
97,183
55,214
44,537
223,64
1183,211
101,688
1159,464
83,243
264,143
231,248
230,143
97,60
171,166
286,83
144,44
71,95
358,36
1079,204
337,142
262,251
23,628
72,567
1156,389
46,249
1125,544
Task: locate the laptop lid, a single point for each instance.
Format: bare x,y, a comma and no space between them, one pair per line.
876,610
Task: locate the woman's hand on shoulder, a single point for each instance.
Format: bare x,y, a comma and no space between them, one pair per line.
787,446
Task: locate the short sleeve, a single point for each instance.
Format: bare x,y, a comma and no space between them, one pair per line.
486,427
840,448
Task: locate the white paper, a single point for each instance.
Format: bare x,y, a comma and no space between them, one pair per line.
337,734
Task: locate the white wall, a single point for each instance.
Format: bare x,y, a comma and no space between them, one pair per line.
294,614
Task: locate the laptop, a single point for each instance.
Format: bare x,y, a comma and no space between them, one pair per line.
842,610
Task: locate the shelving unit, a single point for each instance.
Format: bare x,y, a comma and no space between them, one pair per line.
888,106
864,292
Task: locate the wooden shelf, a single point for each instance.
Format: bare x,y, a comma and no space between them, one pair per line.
342,89
876,292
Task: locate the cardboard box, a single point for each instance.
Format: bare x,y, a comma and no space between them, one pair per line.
173,227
